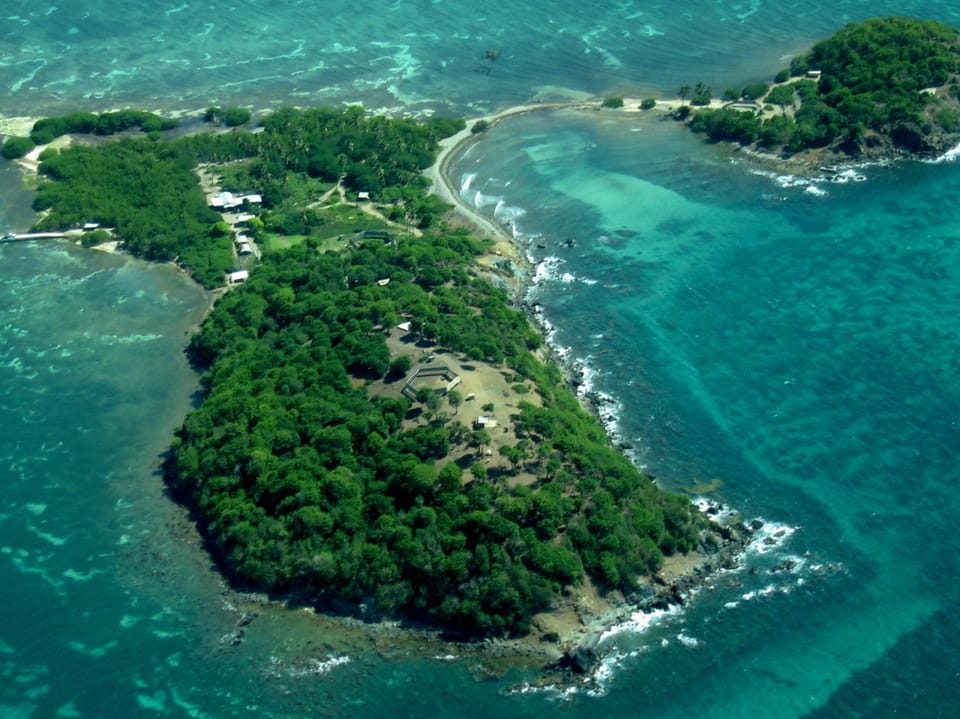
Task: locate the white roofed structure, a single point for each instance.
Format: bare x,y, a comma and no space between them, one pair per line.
227,200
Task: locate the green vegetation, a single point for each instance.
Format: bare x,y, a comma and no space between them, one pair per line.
106,123
782,96
95,237
16,147
308,472
612,102
231,117
480,126
308,481
371,154
147,190
702,95
755,91
648,103
85,123
888,83
727,124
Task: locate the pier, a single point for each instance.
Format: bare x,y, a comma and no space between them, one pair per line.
17,237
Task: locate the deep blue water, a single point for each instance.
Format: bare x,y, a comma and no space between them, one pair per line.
796,340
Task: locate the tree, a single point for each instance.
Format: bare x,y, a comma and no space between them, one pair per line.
399,367
702,94
512,454
479,439
782,96
683,92
433,402
236,116
754,91
231,117
450,477
455,399
220,229
16,147
255,225
96,237
613,102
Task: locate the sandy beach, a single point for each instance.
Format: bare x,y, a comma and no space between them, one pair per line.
449,191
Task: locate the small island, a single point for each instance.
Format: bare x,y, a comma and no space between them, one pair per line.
877,89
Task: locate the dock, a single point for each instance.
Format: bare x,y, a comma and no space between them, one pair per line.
18,237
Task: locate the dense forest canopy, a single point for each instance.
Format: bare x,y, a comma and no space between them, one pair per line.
145,190
310,482
879,85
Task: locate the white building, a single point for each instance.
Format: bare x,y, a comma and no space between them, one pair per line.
228,201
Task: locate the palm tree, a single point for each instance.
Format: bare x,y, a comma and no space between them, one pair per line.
701,94
683,92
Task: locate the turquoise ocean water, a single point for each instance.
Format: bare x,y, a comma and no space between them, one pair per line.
795,338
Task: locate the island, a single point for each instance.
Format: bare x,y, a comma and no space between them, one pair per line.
878,89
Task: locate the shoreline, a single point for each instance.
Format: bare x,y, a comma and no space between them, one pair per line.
450,147
578,626
443,185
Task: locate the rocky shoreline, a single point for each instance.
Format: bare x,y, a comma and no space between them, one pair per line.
566,646
569,657
546,661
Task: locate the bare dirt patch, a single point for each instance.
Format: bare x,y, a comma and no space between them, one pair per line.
481,387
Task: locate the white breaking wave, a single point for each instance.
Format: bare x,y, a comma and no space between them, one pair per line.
949,156
640,622
770,537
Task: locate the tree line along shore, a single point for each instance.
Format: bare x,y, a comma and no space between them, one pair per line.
880,88
321,468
